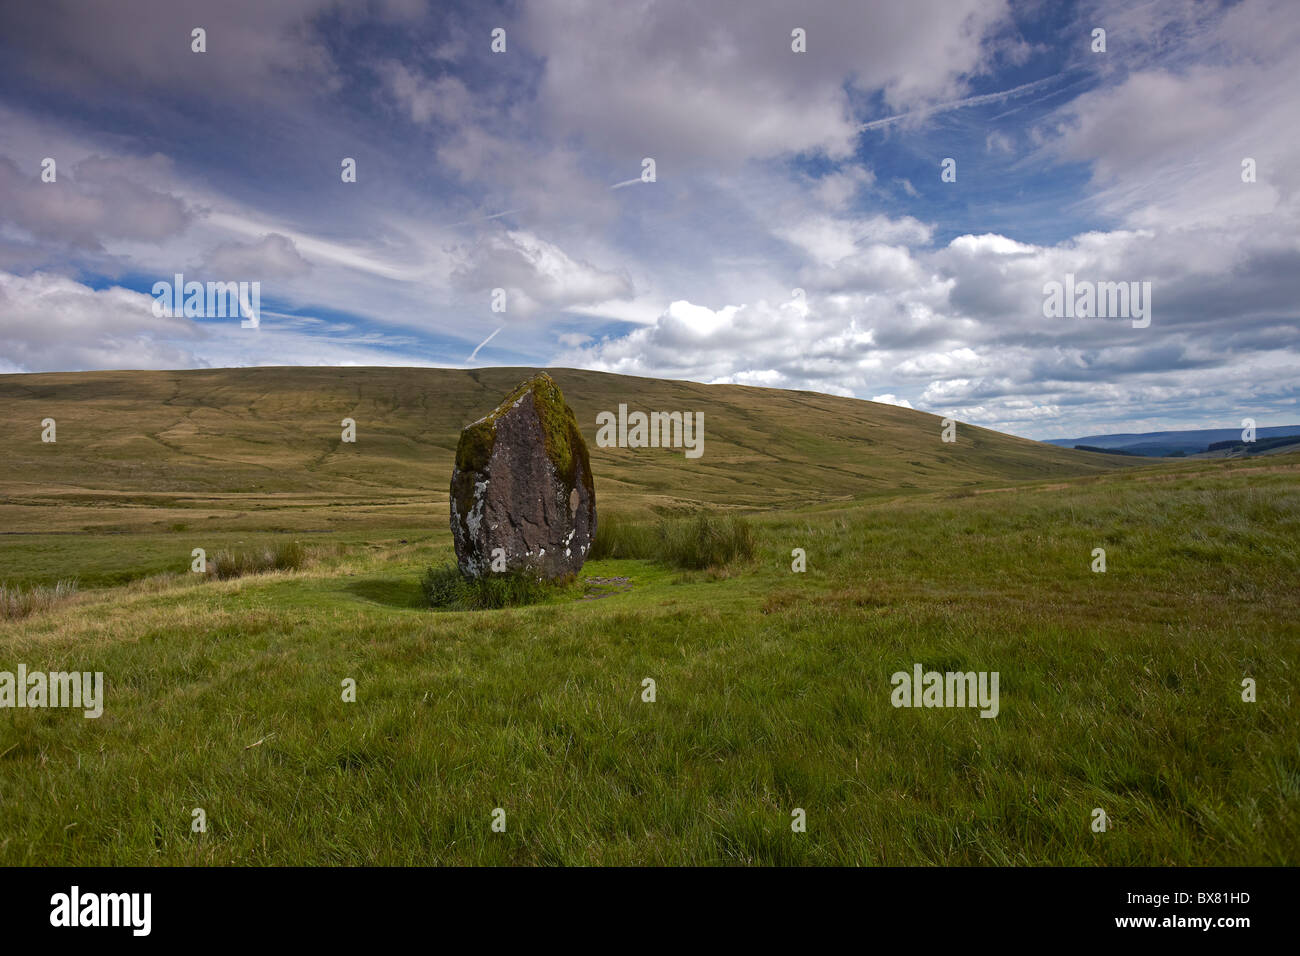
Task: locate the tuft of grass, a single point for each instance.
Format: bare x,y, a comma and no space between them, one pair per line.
446,589
706,541
229,563
20,602
694,544
619,537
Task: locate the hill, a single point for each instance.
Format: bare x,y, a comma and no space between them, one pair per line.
1120,690
261,448
1161,444
1121,686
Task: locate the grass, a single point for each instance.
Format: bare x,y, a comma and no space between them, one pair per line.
617,536
18,602
446,589
1119,690
704,541
234,563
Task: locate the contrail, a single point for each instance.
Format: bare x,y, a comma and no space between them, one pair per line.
483,343
1041,98
510,212
495,215
958,104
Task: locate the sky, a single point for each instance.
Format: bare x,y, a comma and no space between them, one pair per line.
799,231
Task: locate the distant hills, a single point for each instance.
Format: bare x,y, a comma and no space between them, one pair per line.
261,447
1202,442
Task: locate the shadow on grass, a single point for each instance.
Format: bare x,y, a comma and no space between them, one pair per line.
400,592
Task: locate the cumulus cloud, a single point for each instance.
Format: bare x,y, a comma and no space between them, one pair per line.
782,344
828,240
50,323
961,330
996,142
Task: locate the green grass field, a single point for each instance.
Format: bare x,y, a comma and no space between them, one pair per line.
1119,691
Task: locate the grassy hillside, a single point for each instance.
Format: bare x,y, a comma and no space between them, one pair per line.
1119,690
261,448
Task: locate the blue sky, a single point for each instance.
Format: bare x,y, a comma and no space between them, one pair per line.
776,171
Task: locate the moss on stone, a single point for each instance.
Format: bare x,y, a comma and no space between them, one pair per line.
563,440
564,443
475,446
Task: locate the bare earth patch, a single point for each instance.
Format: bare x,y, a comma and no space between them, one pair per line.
597,588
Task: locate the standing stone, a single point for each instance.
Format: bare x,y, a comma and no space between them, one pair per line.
522,483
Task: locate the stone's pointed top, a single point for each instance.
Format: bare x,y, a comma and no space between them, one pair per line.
522,492
558,423
540,381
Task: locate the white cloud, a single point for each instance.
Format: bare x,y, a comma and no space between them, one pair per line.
50,323
444,98
960,329
1166,142
534,273
997,142
828,240
94,200
272,256
692,88
890,399
836,190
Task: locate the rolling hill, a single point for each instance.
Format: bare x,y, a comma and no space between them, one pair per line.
261,448
1120,690
1160,444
